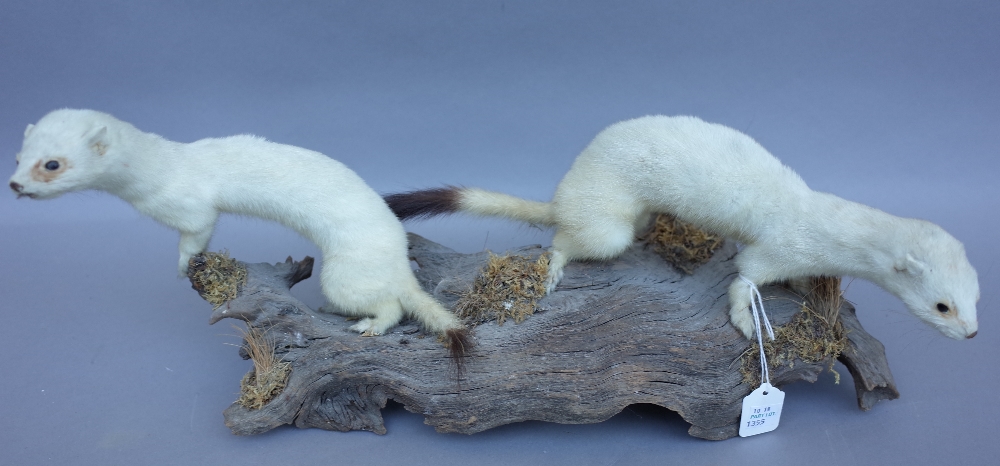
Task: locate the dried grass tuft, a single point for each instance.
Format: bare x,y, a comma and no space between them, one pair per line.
506,288
681,243
269,374
217,277
814,334
825,298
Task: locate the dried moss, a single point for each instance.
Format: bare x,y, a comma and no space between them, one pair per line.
269,375
681,243
506,288
217,277
815,334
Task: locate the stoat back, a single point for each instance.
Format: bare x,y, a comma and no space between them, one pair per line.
703,173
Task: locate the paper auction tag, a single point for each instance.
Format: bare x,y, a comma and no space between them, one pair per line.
761,410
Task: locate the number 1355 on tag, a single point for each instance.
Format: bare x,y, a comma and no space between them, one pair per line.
761,410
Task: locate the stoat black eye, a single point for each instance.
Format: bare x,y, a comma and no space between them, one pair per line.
942,307
51,165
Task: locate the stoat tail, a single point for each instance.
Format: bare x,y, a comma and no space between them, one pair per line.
435,318
432,202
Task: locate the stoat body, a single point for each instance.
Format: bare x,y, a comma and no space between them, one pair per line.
725,182
366,270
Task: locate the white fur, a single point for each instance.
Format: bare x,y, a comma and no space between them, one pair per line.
366,270
725,182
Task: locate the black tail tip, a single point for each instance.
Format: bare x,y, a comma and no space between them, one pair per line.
423,203
459,343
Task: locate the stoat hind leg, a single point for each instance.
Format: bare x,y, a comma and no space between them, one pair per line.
362,326
557,260
588,241
386,314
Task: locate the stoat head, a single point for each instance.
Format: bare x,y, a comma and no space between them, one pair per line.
934,279
67,150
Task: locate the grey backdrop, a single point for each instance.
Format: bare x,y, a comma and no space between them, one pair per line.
107,357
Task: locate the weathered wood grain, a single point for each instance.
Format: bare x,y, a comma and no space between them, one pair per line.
632,330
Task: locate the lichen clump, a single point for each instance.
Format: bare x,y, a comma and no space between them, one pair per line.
217,277
269,375
681,243
506,288
815,334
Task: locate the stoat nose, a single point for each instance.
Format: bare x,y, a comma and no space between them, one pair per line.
971,335
16,187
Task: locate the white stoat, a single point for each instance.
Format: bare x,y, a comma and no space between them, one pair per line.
366,270
727,183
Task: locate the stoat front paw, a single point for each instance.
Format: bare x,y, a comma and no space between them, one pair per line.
739,308
742,319
182,268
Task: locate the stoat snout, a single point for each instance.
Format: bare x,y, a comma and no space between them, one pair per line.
19,190
961,330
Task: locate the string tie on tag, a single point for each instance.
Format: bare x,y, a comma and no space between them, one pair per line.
757,308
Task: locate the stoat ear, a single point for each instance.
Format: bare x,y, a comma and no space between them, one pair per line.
97,140
28,129
910,265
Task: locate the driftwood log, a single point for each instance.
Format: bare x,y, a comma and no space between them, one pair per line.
633,330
